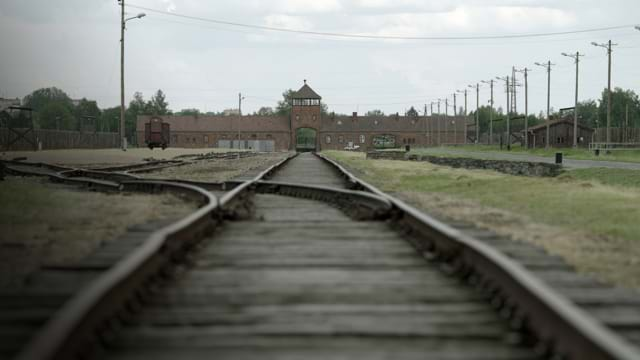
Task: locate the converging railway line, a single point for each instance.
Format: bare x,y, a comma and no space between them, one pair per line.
307,261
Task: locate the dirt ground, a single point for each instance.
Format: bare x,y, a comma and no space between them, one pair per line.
215,170
45,223
80,157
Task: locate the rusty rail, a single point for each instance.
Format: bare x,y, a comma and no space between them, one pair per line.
560,325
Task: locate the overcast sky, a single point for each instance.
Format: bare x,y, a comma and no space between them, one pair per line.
74,45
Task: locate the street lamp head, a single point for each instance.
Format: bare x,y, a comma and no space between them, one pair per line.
565,54
637,28
595,43
141,15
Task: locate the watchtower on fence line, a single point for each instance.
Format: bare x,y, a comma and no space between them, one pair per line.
306,113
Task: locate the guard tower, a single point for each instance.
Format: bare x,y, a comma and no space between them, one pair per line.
305,119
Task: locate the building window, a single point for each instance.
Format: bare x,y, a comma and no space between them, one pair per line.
328,139
297,117
175,139
339,122
340,139
362,139
313,117
205,139
269,136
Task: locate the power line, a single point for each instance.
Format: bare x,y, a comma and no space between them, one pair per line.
377,37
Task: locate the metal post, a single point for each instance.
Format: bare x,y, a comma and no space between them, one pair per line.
575,106
455,110
239,120
526,106
477,113
575,57
438,124
548,67
491,114
446,115
122,125
609,95
508,118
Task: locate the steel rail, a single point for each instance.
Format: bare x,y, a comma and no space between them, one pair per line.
558,323
357,204
75,329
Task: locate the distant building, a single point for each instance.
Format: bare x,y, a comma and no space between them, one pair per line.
230,112
560,134
308,128
5,103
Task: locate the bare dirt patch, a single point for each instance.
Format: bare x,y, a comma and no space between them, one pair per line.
91,157
44,223
609,259
215,170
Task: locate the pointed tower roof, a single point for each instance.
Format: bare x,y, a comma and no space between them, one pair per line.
306,92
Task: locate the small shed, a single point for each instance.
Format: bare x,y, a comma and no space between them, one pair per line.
560,134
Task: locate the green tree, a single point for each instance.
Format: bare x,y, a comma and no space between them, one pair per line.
588,112
56,115
86,108
191,112
375,112
137,107
265,111
44,98
158,104
109,120
620,99
284,106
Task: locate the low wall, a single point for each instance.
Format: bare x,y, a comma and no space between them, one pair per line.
61,139
522,168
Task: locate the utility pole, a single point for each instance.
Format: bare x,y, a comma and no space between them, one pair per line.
575,57
526,107
477,117
123,144
464,122
548,66
506,79
424,125
608,47
446,120
239,119
490,82
438,123
123,23
455,110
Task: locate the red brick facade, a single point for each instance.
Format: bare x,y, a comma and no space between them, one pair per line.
333,132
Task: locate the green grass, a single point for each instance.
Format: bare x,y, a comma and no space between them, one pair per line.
578,154
602,201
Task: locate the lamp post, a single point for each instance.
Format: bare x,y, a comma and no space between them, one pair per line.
547,66
608,47
477,86
465,113
526,106
506,79
575,57
490,82
123,23
240,98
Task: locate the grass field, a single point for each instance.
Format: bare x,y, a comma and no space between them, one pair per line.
601,206
570,153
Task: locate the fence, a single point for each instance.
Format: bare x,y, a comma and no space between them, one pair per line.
60,139
618,135
257,145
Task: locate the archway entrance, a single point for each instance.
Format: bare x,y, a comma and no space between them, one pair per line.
306,139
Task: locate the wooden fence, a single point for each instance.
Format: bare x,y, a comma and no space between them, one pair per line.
59,139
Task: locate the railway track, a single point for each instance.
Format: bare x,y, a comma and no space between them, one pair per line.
278,269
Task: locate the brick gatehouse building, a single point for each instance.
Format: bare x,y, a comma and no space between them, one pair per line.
308,128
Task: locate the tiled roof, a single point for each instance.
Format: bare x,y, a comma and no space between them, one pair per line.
389,123
556,122
306,92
